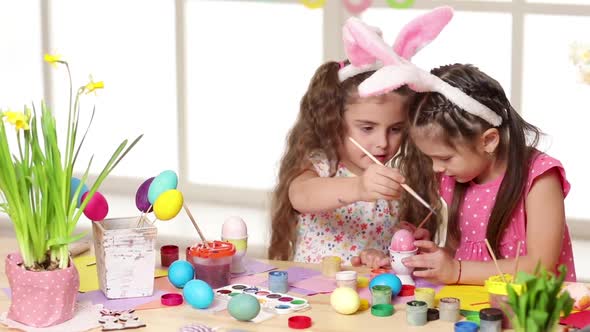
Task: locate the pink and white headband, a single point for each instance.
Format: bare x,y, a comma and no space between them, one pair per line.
412,38
398,71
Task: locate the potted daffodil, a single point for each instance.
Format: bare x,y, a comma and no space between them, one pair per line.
42,201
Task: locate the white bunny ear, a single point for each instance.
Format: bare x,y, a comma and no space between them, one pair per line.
421,31
386,79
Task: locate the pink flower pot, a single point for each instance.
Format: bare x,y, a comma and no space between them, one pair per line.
41,299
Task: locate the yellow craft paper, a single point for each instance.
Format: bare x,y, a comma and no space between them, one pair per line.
473,298
89,275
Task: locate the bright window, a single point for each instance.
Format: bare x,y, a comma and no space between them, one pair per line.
130,45
555,100
248,65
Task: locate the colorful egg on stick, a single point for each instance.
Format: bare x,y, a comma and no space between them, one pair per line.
164,181
74,184
168,204
141,196
97,207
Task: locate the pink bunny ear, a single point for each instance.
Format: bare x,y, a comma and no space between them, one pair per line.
355,54
370,42
421,31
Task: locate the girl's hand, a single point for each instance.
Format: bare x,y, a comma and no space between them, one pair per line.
440,266
379,182
372,258
419,233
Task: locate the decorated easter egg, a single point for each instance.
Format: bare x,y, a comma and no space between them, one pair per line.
234,228
198,294
402,240
180,272
345,300
243,307
387,279
163,182
168,204
74,183
141,196
97,207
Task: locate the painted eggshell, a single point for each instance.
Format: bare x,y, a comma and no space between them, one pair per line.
402,240
74,186
168,204
164,181
234,228
141,196
97,207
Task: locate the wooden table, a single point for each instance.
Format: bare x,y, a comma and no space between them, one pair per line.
323,316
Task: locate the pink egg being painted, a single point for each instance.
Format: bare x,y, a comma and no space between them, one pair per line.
402,240
97,208
234,228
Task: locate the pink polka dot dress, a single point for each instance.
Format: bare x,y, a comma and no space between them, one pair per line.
477,208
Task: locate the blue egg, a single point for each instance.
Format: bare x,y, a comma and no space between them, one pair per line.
74,183
243,307
387,279
180,272
163,182
198,294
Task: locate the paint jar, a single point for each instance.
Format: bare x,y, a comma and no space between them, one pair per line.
498,296
213,263
426,295
331,265
346,279
490,320
381,294
416,313
449,308
168,254
278,281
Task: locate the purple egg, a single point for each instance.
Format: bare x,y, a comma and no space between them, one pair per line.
141,197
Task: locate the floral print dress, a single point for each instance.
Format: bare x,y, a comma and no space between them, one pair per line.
347,230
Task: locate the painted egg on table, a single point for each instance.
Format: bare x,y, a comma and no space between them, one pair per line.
97,207
387,279
243,307
345,300
168,204
74,184
198,294
141,196
234,228
180,272
163,182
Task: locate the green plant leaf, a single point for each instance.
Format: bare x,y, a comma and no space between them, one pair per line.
61,241
531,325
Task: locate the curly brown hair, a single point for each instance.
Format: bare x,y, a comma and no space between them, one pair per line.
518,138
320,126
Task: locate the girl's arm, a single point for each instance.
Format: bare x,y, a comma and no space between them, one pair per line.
545,227
311,193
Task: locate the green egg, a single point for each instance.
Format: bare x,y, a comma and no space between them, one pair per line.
243,307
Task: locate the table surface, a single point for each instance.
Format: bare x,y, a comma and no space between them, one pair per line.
323,316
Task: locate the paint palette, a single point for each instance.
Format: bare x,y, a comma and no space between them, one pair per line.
274,302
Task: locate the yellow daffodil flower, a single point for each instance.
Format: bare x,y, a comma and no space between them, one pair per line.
53,59
18,119
92,86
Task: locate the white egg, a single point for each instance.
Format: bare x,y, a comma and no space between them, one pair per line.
234,228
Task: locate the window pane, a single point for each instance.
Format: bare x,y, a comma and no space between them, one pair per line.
248,65
130,45
21,81
556,101
461,40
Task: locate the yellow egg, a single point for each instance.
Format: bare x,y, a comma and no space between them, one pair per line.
168,204
345,300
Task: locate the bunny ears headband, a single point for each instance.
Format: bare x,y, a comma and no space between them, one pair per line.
366,51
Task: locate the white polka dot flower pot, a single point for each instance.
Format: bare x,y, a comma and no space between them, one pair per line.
44,298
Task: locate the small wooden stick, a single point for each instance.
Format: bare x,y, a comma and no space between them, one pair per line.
516,262
424,220
405,186
495,260
195,224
